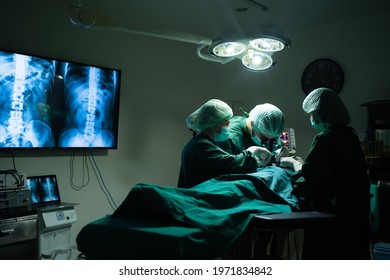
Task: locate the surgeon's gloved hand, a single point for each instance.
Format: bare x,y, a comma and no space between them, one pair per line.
290,162
261,154
298,159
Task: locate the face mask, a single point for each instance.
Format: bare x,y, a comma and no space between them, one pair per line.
223,135
318,126
257,141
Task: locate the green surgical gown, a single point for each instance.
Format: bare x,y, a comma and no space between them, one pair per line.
240,139
202,159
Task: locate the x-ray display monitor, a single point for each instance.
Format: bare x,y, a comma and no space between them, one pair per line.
49,103
44,189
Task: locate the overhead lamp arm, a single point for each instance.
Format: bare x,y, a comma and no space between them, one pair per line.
90,19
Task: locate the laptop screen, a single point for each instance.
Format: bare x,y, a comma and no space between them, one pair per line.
44,190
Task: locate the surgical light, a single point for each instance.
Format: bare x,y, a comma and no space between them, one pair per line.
257,61
254,53
229,49
266,44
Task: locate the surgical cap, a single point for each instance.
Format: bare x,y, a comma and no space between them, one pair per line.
210,114
267,119
328,106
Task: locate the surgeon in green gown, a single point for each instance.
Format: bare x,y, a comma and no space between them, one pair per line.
333,178
262,127
202,159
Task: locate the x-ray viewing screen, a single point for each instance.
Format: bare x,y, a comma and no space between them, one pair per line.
48,103
43,189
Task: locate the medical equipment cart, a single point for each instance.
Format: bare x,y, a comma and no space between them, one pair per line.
54,232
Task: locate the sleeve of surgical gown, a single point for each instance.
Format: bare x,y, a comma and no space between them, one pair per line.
222,162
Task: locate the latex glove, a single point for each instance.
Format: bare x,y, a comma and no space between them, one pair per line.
261,154
291,162
298,159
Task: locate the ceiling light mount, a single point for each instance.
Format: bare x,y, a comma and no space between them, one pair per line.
259,5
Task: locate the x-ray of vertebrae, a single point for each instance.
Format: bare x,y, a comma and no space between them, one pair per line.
50,103
89,94
25,83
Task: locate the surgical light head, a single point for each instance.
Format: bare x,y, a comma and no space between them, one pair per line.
267,119
328,106
210,114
